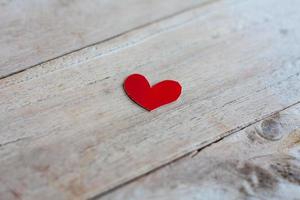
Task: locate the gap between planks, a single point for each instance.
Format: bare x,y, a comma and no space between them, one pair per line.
115,36
193,153
262,162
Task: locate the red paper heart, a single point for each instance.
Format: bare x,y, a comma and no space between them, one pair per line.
139,90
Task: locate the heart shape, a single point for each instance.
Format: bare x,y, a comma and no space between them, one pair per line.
139,90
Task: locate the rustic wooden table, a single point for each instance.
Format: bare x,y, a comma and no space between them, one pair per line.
68,131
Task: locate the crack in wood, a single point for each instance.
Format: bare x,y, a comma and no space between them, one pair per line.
15,141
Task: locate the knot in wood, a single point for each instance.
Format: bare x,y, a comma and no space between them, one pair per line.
270,129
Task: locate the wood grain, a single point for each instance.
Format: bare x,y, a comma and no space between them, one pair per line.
68,131
34,31
260,162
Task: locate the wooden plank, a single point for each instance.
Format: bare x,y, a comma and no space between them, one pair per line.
68,131
260,162
34,31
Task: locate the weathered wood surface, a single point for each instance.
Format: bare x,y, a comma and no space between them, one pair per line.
260,162
34,31
69,132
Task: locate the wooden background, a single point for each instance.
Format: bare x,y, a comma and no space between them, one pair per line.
68,131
